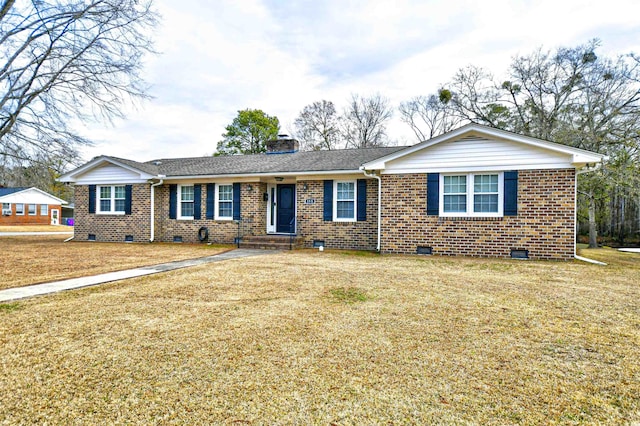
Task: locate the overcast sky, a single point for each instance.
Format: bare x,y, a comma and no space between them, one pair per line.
218,57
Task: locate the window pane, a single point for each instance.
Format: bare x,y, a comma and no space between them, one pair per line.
32,209
346,191
186,209
120,192
105,205
6,206
20,208
485,183
455,184
119,205
345,210
225,209
44,210
455,204
485,203
105,192
186,193
225,193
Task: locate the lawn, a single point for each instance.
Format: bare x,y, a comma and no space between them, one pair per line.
36,259
333,338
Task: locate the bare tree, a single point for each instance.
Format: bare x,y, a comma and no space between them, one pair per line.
64,62
365,120
318,127
569,96
430,116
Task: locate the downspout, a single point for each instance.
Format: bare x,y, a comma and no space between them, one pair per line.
153,207
379,202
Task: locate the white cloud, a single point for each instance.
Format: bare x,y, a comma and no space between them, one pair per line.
223,56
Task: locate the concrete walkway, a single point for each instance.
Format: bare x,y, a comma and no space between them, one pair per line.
73,283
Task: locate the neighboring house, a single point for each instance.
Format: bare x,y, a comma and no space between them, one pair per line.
474,191
29,206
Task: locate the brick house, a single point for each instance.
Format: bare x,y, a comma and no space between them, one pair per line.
29,206
474,191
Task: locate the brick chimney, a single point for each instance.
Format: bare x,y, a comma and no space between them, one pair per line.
283,145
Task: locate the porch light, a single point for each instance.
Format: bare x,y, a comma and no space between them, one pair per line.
279,178
250,188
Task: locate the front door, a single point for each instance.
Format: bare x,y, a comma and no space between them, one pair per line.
55,216
286,208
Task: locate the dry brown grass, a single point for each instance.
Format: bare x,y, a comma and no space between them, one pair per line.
43,258
332,338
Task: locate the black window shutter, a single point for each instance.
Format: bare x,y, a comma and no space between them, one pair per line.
197,201
362,200
173,201
92,198
433,194
128,189
328,200
511,193
211,200
236,201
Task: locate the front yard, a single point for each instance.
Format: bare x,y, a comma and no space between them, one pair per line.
333,338
37,259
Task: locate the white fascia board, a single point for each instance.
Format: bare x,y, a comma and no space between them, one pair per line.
267,175
70,177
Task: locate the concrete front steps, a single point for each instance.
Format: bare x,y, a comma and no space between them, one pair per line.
270,242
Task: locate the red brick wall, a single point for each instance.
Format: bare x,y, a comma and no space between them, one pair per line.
344,235
544,225
252,210
113,227
27,219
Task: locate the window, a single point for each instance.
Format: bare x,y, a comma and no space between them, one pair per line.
471,195
345,201
20,209
44,210
224,202
111,199
186,202
6,209
32,209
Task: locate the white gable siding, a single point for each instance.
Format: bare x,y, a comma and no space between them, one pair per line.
109,173
29,196
477,154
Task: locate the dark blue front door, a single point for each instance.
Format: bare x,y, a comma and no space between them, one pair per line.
286,208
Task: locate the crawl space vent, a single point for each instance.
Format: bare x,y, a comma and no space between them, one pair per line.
177,238
318,243
128,238
91,237
424,250
519,254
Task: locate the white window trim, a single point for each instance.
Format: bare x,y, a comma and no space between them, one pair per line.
470,194
335,201
7,206
35,209
217,202
113,200
17,212
179,196
46,210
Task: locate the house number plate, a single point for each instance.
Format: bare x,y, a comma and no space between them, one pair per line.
310,201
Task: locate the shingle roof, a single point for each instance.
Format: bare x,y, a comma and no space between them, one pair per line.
307,161
7,191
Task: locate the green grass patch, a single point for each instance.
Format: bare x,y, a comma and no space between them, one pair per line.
10,307
349,295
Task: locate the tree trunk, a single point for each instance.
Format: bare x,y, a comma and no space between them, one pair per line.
593,230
